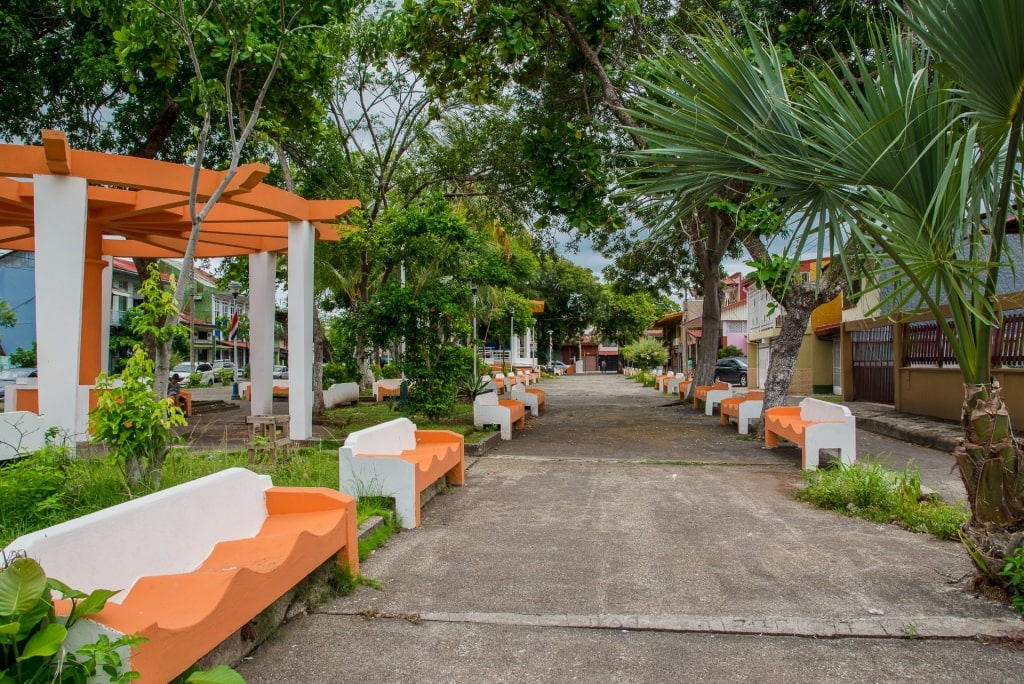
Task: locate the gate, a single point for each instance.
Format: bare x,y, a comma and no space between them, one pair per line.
874,376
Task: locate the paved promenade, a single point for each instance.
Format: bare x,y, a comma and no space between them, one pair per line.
623,537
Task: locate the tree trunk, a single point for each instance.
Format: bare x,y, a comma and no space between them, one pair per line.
785,349
710,233
319,407
989,458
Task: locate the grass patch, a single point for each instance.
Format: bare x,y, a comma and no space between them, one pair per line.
871,491
345,420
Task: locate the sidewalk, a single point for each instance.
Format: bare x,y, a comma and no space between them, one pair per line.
625,537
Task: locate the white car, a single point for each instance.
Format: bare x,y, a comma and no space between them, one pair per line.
281,372
184,372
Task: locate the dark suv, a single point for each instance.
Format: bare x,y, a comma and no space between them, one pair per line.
732,370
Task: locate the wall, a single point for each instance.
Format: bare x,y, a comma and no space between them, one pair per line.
939,392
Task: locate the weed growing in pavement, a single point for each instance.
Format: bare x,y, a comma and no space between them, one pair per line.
871,491
1013,571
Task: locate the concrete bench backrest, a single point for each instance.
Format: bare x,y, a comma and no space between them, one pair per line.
487,399
390,383
167,532
818,411
517,389
387,439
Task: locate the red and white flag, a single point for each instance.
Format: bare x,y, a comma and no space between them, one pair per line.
233,332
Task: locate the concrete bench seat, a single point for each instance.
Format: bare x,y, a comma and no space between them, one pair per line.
711,396
388,388
488,409
813,425
196,562
683,388
744,408
673,384
531,397
341,393
396,460
661,381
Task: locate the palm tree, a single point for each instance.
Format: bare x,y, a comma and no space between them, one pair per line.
910,150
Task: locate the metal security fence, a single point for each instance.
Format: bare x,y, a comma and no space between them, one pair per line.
925,345
874,377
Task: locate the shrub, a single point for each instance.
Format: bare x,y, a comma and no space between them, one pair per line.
728,351
871,491
135,425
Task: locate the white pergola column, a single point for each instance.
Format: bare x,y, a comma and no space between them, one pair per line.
108,282
300,328
262,281
61,210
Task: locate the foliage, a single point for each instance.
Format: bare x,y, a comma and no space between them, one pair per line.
32,637
8,318
728,351
471,386
872,491
135,425
335,373
1013,572
390,371
572,298
625,316
645,354
24,358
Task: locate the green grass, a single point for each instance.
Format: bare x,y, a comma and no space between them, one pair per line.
871,491
343,421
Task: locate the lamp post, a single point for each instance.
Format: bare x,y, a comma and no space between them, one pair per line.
196,297
234,286
551,348
472,289
511,332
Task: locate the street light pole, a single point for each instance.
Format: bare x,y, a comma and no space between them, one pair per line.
511,332
551,347
234,286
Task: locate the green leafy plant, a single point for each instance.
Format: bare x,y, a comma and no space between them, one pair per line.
470,387
390,371
874,492
646,354
32,638
1013,574
134,424
195,379
729,351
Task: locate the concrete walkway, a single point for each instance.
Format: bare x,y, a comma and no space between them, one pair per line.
625,537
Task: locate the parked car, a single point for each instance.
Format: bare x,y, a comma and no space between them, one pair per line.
732,369
217,365
556,367
184,371
281,372
11,375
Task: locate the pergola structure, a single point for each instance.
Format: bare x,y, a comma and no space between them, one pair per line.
77,210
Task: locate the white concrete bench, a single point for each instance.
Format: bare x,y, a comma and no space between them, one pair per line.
396,460
530,400
488,409
674,382
196,562
382,389
744,408
711,395
814,425
341,393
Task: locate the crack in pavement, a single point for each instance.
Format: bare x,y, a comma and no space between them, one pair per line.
876,627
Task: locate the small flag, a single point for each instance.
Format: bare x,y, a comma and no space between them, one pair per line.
233,332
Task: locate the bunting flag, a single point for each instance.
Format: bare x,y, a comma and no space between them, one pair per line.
233,332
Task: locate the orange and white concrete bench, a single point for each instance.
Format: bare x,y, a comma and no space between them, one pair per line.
711,396
742,407
396,460
814,425
488,409
661,381
194,563
673,385
531,397
279,389
382,389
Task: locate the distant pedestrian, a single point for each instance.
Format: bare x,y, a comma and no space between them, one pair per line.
604,365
